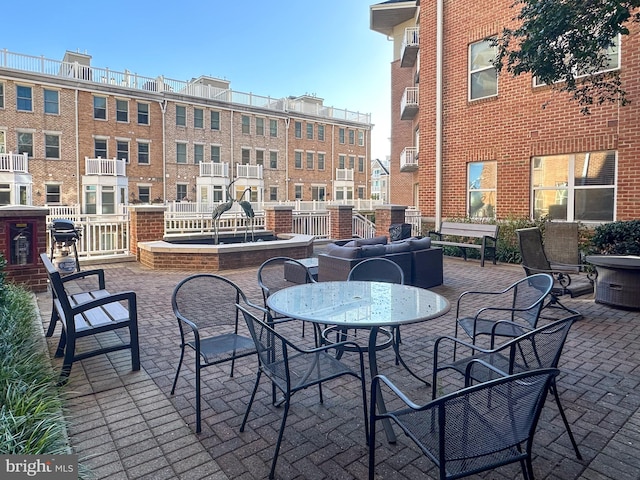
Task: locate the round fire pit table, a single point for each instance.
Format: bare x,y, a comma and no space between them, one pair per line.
618,282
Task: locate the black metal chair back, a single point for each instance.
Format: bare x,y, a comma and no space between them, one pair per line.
377,269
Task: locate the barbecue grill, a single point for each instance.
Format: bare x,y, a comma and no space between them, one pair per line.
64,235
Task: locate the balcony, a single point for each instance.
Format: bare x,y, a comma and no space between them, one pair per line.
249,171
105,166
14,162
409,104
410,47
213,169
409,159
344,174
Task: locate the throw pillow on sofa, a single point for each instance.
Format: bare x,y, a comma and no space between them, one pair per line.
381,240
342,252
420,243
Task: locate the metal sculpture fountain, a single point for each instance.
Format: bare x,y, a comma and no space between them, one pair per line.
248,211
220,209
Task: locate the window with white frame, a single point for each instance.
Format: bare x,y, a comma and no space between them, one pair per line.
273,128
361,192
297,192
108,198
143,113
341,135
260,126
215,153
100,108
52,193
273,194
310,161
122,150
181,116
198,118
483,76
51,101
198,153
181,191
309,131
245,154
24,98
3,141
1,95
352,162
297,159
321,133
361,138
90,199
482,178
51,145
144,193
25,143
215,120
352,137
318,192
100,148
342,161
361,164
5,193
273,159
122,110
320,161
143,153
181,152
259,157
246,124
297,128
575,187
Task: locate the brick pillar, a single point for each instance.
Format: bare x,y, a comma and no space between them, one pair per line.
146,224
23,255
387,215
279,219
340,221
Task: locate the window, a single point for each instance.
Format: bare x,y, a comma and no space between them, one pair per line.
122,150
51,193
259,157
51,146
143,153
24,98
361,138
298,129
273,194
352,162
122,110
100,108
1,95
25,143
273,160
100,147
246,124
361,164
246,156
309,131
198,118
215,120
341,135
198,153
90,199
361,192
321,133
5,194
181,153
181,191
298,159
318,192
298,192
309,160
352,137
51,101
108,197
481,198
575,187
144,193
217,194
215,153
273,128
181,116
143,113
341,161
321,161
483,77
260,126
3,141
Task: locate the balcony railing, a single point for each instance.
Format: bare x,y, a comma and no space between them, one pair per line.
345,174
249,171
14,162
410,46
105,166
409,159
409,104
212,169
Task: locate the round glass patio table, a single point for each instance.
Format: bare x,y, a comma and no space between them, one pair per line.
359,304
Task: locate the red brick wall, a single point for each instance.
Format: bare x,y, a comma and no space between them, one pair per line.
386,216
279,219
519,123
146,224
340,221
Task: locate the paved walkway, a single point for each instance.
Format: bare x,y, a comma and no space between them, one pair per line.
125,425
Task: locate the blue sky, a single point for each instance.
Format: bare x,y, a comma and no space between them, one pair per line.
276,48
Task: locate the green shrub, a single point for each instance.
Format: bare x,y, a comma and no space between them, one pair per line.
617,238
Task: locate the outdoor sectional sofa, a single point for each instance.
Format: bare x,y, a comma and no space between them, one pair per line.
420,263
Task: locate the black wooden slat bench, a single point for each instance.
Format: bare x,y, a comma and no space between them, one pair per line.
88,313
487,232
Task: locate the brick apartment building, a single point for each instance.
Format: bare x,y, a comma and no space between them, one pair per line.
494,146
101,138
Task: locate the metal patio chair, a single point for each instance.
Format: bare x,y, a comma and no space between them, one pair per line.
507,313
205,306
539,348
292,369
474,429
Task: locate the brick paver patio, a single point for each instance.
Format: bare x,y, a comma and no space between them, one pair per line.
125,425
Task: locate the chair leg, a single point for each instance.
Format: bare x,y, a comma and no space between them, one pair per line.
67,362
554,390
175,380
135,346
52,322
372,442
61,343
279,441
253,395
198,405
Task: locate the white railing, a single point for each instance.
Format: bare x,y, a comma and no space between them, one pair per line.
14,162
212,169
160,84
105,166
414,218
249,171
176,223
311,223
345,174
411,37
410,97
409,157
362,227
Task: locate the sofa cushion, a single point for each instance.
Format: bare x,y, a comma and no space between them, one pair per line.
351,243
420,243
372,250
397,247
381,240
342,252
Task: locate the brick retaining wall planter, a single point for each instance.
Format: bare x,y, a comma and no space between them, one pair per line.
161,255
